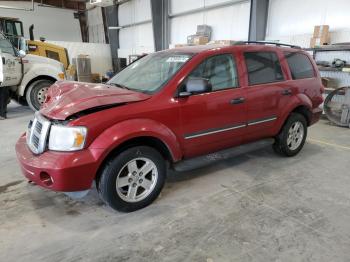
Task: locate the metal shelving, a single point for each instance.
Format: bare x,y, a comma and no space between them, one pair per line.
329,53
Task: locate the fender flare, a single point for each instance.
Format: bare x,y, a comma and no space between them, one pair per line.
126,130
295,102
37,72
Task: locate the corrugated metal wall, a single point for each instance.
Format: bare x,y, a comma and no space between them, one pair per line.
292,21
95,26
230,22
51,23
139,38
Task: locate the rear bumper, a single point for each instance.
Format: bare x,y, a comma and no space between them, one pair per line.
315,115
58,171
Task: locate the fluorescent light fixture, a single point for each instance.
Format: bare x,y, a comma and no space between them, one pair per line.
115,27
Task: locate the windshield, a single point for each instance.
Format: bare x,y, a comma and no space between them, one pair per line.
150,73
13,31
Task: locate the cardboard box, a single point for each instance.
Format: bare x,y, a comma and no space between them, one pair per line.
321,36
222,42
197,40
321,31
317,41
190,39
200,40
180,45
325,81
204,30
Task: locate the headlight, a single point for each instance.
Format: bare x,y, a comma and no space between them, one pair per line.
64,138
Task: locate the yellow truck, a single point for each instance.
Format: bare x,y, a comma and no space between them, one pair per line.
12,28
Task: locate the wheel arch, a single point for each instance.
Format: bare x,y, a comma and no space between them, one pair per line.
41,77
150,141
297,104
300,109
304,111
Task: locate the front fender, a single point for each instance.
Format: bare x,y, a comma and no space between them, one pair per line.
129,129
294,102
36,71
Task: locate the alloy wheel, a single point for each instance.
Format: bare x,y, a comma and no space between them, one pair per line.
136,179
295,135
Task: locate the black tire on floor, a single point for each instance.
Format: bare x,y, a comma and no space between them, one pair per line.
107,183
281,145
35,90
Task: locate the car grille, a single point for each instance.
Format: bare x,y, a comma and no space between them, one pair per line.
37,133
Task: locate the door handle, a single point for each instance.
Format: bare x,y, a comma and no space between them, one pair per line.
236,101
3,60
286,92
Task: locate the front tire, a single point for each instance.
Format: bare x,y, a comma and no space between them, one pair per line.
133,179
291,138
36,93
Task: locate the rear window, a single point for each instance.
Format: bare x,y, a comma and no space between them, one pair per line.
263,67
300,65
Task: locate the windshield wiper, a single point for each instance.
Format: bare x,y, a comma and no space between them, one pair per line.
119,85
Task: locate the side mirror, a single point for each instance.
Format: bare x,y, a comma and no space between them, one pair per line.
21,53
196,86
22,46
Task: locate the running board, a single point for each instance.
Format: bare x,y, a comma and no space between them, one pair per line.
201,161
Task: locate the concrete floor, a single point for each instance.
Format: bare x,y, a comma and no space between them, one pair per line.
257,207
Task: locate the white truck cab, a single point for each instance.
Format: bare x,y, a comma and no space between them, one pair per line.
28,76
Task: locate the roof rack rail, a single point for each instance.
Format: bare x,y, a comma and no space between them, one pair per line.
266,43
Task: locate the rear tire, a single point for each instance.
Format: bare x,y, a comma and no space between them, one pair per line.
291,138
36,93
133,179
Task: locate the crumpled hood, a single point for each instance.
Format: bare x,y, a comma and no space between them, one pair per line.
66,98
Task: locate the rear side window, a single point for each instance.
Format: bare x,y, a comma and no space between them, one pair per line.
263,67
300,65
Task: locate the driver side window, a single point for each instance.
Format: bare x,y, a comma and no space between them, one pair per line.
220,70
6,47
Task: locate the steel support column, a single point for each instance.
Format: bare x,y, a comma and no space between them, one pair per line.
160,23
258,19
111,13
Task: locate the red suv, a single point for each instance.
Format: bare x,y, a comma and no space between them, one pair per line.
172,107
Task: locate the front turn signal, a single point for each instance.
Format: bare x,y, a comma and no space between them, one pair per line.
61,76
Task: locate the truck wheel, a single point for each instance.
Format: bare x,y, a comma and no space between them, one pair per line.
36,93
291,138
133,179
